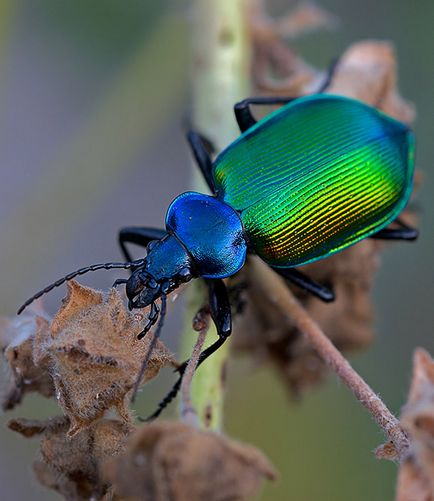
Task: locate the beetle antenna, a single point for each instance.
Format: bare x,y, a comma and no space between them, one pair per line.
81,271
151,346
166,400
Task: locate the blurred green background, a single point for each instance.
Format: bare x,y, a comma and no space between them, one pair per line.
92,101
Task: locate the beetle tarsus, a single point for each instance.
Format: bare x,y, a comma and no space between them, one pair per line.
152,319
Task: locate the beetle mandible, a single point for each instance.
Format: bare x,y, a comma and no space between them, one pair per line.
312,178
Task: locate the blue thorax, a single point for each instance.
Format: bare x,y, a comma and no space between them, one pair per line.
205,237
204,234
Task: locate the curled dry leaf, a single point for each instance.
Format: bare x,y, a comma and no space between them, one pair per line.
95,355
366,71
72,466
17,344
416,474
173,461
305,17
276,69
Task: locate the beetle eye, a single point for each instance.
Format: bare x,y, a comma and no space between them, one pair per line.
150,246
151,283
185,274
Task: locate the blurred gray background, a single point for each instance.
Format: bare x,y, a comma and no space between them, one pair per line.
92,98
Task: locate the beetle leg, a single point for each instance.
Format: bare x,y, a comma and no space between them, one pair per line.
331,70
303,281
152,319
201,148
244,116
138,235
404,232
119,281
221,314
220,308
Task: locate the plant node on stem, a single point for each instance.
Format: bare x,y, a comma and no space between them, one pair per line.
200,324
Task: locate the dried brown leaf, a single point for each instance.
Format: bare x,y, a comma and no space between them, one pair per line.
276,69
95,355
412,486
28,373
173,461
367,71
72,466
416,475
307,16
27,427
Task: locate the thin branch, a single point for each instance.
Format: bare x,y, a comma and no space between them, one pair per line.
187,410
275,288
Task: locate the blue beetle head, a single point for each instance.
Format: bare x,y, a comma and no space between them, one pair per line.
166,266
138,289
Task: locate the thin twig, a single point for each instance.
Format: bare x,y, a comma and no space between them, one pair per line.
200,324
275,288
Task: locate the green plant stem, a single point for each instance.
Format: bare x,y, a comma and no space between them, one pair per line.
220,77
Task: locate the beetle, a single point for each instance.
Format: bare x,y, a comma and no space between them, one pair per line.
312,178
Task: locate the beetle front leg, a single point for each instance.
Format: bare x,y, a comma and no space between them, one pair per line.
243,114
220,311
242,111
138,235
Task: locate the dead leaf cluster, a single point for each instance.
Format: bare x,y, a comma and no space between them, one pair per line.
17,337
74,466
96,356
365,71
173,461
416,474
88,355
